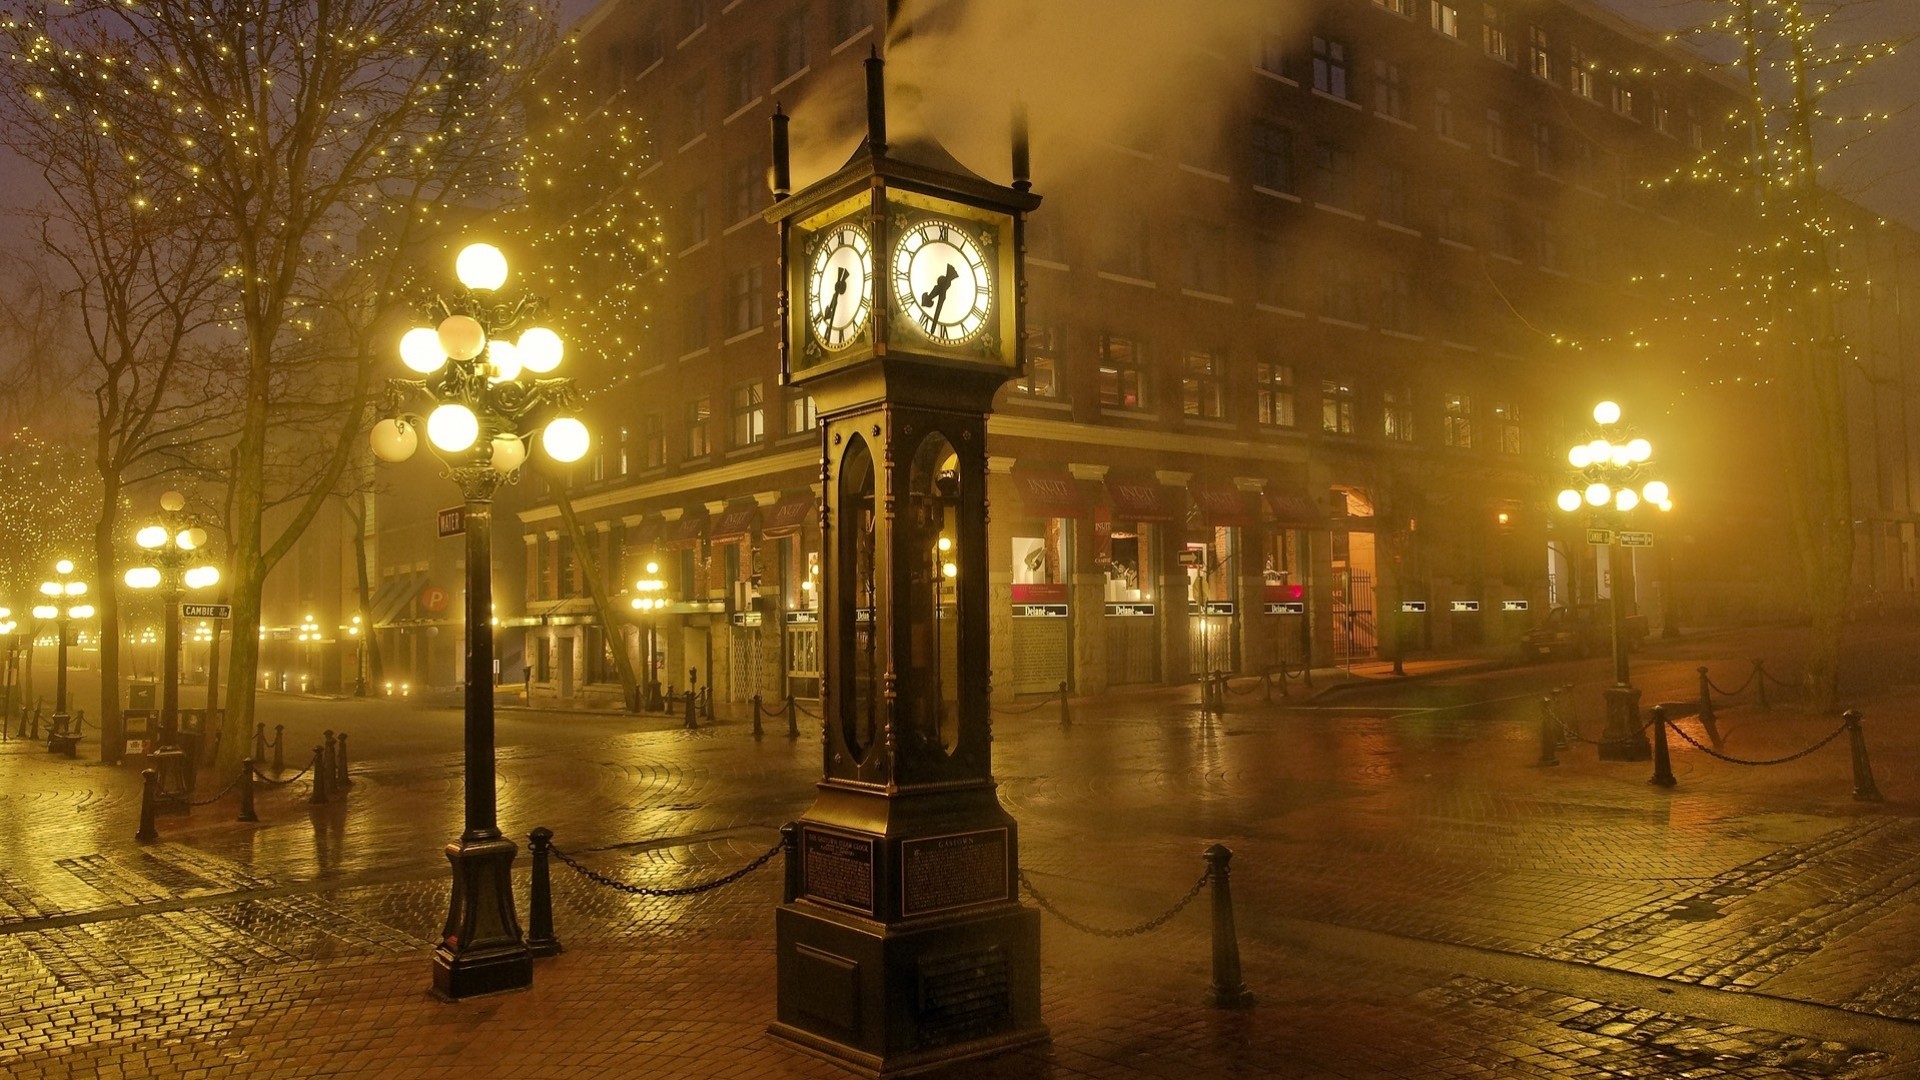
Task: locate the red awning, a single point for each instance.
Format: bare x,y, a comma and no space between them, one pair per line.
788,515
1143,500
733,523
1222,504
1291,506
1050,493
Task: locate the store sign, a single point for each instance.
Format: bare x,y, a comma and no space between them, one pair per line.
1039,611
1513,605
1466,605
1040,592
1413,607
1636,539
746,618
798,618
1130,610
1217,607
1287,607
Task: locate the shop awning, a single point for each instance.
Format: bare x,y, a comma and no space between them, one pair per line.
1143,500
394,594
685,532
788,515
1292,507
1222,504
733,523
1050,493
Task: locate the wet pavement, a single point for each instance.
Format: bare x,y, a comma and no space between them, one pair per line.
1416,896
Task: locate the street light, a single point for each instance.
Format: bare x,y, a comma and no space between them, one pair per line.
652,598
8,679
173,548
63,604
479,413
1610,483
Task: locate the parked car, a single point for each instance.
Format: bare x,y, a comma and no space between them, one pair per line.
1579,630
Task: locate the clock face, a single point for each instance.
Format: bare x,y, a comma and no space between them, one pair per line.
840,285
941,281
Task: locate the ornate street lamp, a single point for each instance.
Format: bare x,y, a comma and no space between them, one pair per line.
174,550
1610,483
479,415
652,598
8,629
63,605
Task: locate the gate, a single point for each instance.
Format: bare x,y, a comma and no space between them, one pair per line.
1355,635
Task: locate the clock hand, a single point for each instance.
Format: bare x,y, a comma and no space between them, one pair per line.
936,297
839,287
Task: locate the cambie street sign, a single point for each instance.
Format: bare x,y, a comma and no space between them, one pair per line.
206,611
1600,536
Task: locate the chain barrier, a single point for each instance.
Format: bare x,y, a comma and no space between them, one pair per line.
1150,925
1257,683
211,799
265,779
1784,684
686,890
1573,733
1036,706
804,711
1741,689
1710,752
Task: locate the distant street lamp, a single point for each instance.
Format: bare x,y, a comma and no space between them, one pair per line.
63,605
8,679
652,598
480,414
1610,483
174,550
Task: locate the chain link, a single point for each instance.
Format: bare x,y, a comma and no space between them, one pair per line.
1033,707
686,890
1251,688
1741,689
209,800
265,779
804,711
1149,926
1710,752
1571,732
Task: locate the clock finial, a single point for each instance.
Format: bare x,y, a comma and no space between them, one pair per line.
876,104
782,163
1022,170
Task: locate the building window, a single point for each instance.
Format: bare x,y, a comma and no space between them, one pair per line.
1123,370
1044,344
1493,33
1271,56
1497,134
1538,60
1457,430
1504,238
1330,66
1546,156
1393,194
1506,427
1334,169
847,18
699,428
1444,123
1273,394
1273,157
1126,243
650,45
1449,215
1389,94
597,463
1396,412
746,180
693,110
653,440
743,78
1336,407
1445,19
1339,298
1200,390
749,409
1273,268
693,321
746,297
1398,7
1623,100
693,16
802,416
1662,117
693,218
1396,301
1547,243
1579,73
790,44
1203,246
625,459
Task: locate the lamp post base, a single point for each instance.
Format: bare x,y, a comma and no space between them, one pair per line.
1623,739
482,950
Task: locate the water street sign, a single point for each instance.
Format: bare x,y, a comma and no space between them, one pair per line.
1600,536
1413,606
1466,605
1636,539
206,611
452,521
1513,605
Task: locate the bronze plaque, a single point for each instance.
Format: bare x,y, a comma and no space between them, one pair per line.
838,870
938,873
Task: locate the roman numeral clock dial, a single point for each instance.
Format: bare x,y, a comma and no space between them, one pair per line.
941,281
840,286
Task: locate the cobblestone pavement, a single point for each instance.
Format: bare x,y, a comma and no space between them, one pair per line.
1416,897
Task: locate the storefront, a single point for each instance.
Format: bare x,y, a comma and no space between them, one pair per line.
1286,574
1128,546
1051,504
790,552
1212,555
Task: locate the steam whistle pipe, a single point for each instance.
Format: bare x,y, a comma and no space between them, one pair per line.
1022,168
782,157
876,104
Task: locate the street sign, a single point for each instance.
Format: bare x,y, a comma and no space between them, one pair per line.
1513,605
1217,607
206,611
1602,537
1039,611
1466,605
1413,606
1130,610
452,521
1286,607
746,618
796,618
1192,557
434,599
1636,539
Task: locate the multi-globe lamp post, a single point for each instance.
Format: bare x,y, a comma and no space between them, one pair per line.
8,680
63,604
652,598
173,548
481,407
1610,484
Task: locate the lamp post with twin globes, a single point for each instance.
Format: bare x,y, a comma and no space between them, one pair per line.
63,605
171,547
480,411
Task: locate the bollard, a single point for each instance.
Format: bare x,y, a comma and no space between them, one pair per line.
1864,789
279,755
149,781
1066,718
756,716
793,719
326,763
790,850
692,722
341,779
540,939
319,770
260,742
1228,991
1707,719
246,792
1662,762
1760,683
1547,740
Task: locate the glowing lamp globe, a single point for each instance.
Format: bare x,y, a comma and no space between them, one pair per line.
1569,500
151,537
509,453
1578,457
540,350
452,427
49,588
173,502
1598,494
1606,413
201,577
1625,499
504,359
64,566
393,440
143,577
565,439
1655,492
76,588
1622,456
420,350
189,539
1639,450
1599,451
461,336
481,266
84,611
45,611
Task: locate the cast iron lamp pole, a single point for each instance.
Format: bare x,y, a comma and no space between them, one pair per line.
170,546
62,594
480,414
1608,468
7,677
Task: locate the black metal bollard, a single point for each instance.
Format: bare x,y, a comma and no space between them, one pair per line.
1228,991
790,851
1864,789
149,782
318,768
757,733
1662,762
793,719
279,753
692,720
1548,743
260,742
1066,718
1760,683
246,792
341,779
540,939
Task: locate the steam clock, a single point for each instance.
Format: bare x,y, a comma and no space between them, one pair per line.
903,943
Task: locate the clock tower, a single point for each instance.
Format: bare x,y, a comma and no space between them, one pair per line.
902,943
